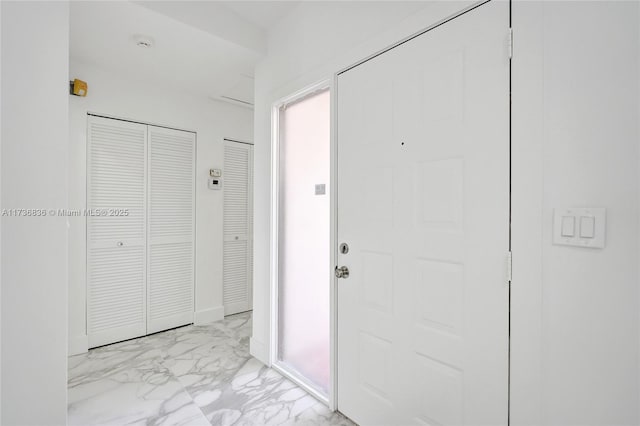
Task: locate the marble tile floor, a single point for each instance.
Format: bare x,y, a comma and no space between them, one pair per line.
194,375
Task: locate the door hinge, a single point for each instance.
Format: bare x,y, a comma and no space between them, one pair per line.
509,266
510,43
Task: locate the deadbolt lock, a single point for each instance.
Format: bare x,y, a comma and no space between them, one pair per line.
344,248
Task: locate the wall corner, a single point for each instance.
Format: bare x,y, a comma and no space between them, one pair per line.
259,351
78,345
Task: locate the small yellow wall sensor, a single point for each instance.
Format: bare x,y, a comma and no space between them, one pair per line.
78,87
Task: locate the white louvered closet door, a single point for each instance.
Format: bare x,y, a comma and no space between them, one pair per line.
171,228
238,227
116,259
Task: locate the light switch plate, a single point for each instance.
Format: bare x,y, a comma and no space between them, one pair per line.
590,226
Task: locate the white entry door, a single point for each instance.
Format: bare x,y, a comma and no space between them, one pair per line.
423,204
237,272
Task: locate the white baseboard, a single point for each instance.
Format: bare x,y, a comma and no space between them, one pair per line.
78,344
207,316
259,351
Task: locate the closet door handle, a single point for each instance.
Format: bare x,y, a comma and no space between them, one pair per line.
120,244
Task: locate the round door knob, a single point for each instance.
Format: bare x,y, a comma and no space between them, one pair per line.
342,272
120,244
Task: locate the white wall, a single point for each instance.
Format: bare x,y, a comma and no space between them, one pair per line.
35,42
574,311
115,96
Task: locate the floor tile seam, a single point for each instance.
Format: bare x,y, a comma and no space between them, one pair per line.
184,388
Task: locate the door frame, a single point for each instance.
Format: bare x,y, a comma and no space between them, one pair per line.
325,84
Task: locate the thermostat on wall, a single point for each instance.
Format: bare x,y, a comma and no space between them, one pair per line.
214,183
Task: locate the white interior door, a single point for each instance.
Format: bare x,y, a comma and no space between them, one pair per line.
423,203
171,228
238,227
116,244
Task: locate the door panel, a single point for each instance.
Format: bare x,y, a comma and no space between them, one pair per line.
116,244
423,202
171,228
238,227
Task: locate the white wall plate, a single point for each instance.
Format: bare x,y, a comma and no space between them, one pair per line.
580,227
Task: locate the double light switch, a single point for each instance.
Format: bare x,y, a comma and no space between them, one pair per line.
582,227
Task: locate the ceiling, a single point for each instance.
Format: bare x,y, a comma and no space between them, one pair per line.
207,48
264,13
